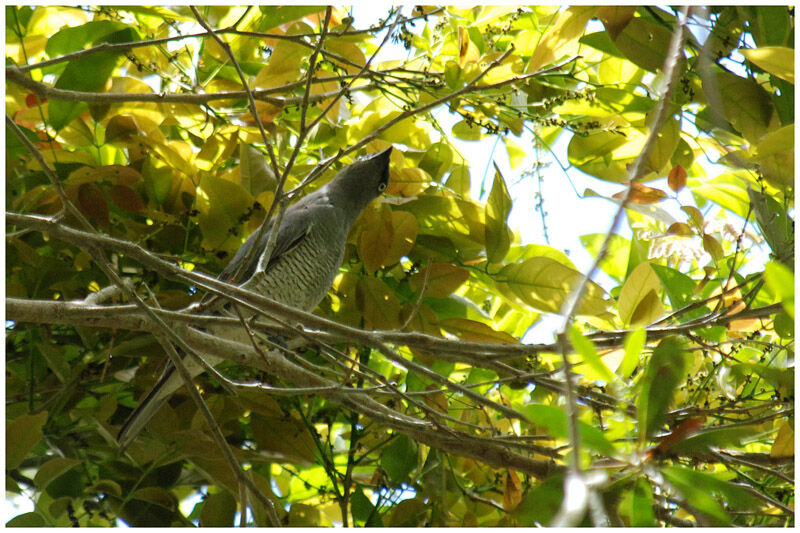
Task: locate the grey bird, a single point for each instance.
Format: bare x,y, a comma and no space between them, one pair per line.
301,268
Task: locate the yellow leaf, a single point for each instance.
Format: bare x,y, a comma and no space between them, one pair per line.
408,182
404,235
569,27
784,442
378,231
348,50
512,495
615,18
326,87
471,330
442,279
776,156
378,304
638,302
221,204
283,67
777,60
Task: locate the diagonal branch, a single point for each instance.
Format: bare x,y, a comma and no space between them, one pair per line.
574,480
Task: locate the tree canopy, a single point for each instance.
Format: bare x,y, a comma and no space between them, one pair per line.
143,144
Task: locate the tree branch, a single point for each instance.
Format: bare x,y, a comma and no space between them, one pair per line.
572,304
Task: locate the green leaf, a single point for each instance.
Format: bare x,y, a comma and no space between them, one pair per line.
774,223
498,236
784,325
601,40
554,421
467,132
777,60
363,510
221,204
278,15
378,304
665,145
704,441
700,489
746,104
726,190
528,251
541,503
604,154
31,519
586,348
399,459
665,371
638,249
639,303
644,43
87,74
545,284
634,348
780,280
678,286
617,251
408,513
219,510
638,505
438,160
27,432
255,175
74,38
155,495
776,156
53,469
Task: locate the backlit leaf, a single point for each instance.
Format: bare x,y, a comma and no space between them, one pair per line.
777,60
556,43
638,301
498,205
438,279
780,280
783,445
585,347
644,43
634,348
664,372
545,284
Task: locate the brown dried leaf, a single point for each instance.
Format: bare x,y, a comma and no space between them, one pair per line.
126,198
677,178
93,203
642,194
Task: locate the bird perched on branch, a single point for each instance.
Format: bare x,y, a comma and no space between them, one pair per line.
306,257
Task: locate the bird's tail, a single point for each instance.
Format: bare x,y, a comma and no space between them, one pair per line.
158,395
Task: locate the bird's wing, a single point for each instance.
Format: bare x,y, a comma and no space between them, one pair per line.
294,227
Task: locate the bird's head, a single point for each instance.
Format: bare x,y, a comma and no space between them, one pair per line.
360,182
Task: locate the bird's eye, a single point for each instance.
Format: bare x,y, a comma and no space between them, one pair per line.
381,187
